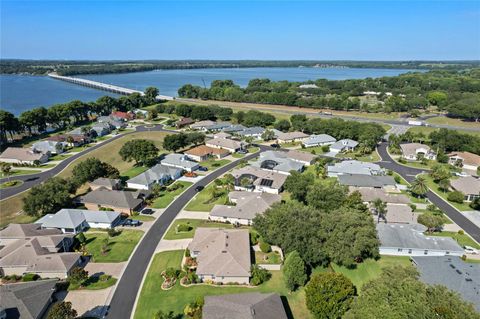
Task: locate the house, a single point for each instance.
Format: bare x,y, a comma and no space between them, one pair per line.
202,125
107,183
277,161
48,147
369,194
223,255
221,135
255,179
74,221
116,124
453,273
319,140
399,214
179,161
234,128
469,186
253,132
253,305
158,174
410,240
18,155
345,145
101,129
218,126
27,248
467,160
203,152
308,86
227,144
354,167
122,116
247,206
184,121
70,139
124,202
386,183
140,111
27,300
305,158
290,137
415,151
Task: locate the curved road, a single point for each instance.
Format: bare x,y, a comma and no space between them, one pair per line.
31,180
409,173
123,301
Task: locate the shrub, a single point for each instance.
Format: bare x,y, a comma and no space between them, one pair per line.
112,232
187,252
461,232
413,207
104,277
259,275
172,273
402,160
325,148
135,213
30,277
313,152
456,197
81,238
254,238
184,228
265,247
397,179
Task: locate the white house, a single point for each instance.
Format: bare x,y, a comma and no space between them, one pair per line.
48,147
345,145
414,151
158,174
319,140
180,161
227,144
468,161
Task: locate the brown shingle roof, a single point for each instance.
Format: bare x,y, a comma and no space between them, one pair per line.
467,185
22,154
468,158
204,150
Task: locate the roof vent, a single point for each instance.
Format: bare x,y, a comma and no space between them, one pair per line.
451,265
468,279
459,272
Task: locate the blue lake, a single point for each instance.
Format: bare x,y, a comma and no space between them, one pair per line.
19,93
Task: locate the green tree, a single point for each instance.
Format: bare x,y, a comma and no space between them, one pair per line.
329,295
48,198
444,184
139,150
151,94
419,186
299,122
380,208
326,194
165,315
6,169
91,169
440,172
294,271
268,135
259,275
297,184
282,125
431,221
456,197
77,275
62,310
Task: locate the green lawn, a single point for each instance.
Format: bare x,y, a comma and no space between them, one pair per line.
93,283
166,197
11,183
317,150
202,202
451,121
431,184
44,166
152,298
267,258
134,171
427,130
462,240
143,218
370,269
214,163
59,157
120,246
373,157
15,172
79,148
194,224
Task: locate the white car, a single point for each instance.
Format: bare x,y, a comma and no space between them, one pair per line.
461,174
470,250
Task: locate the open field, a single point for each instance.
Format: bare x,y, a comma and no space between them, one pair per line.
119,247
194,224
427,130
109,152
452,121
152,298
9,211
134,171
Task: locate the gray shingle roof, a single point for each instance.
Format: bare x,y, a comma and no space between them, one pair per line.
369,194
277,161
178,160
72,218
16,231
467,185
342,144
277,179
256,130
108,182
47,146
248,204
253,305
26,300
355,167
319,139
411,237
121,199
156,173
453,273
366,180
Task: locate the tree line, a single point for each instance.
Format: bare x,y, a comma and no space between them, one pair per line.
61,116
455,91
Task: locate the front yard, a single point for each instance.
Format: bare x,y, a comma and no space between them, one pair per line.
119,247
461,239
214,163
192,224
152,298
167,196
205,200
434,187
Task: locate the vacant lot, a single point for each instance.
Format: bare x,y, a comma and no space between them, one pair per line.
118,249
204,201
167,196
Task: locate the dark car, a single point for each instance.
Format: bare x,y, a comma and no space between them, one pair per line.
202,168
275,145
242,152
147,211
199,188
131,223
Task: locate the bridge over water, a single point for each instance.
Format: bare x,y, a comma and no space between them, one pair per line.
103,86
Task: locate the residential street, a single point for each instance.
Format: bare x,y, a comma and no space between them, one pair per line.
121,305
409,174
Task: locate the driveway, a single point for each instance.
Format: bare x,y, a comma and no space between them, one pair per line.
167,245
185,214
409,173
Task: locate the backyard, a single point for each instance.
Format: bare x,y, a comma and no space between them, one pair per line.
165,197
214,163
172,233
119,247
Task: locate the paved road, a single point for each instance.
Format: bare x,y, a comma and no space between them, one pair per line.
409,174
123,300
31,180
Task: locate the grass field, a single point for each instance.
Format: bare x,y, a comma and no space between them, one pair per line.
11,183
93,283
143,218
272,257
373,157
134,171
452,121
202,202
213,164
16,172
317,150
167,197
9,211
109,152
194,224
152,298
427,130
462,240
120,247
59,157
370,269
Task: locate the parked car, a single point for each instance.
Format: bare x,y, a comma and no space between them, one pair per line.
461,174
471,250
203,168
275,145
131,222
242,152
147,211
199,188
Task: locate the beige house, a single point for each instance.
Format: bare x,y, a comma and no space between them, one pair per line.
468,161
369,194
469,186
120,201
18,155
413,151
227,144
223,255
255,179
291,137
107,183
27,248
247,206
203,152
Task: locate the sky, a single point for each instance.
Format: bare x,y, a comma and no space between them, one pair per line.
265,30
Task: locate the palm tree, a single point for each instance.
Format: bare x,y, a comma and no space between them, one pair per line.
444,184
380,208
419,186
6,169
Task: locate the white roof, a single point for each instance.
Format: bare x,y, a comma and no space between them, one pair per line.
72,218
